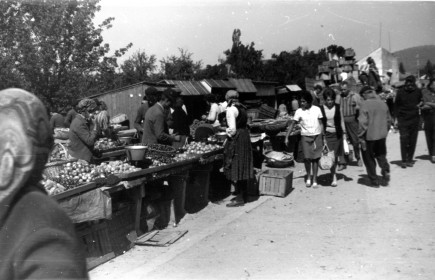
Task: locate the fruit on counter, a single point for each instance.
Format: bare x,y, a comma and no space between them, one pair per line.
106,143
114,167
200,148
74,174
52,187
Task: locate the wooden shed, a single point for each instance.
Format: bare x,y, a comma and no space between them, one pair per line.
127,100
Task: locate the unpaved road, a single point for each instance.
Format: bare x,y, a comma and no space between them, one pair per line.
349,232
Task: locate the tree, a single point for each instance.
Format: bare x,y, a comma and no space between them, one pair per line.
54,47
245,60
291,67
402,68
180,67
138,67
428,70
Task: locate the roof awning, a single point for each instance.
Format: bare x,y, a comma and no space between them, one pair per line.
293,87
220,84
289,88
189,87
244,85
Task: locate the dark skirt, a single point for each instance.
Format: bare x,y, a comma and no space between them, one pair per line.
238,164
334,144
312,146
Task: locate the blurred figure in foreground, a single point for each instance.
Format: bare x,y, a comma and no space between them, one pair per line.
37,239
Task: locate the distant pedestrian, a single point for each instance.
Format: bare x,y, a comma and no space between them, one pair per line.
428,112
70,115
349,108
149,99
406,108
56,120
374,123
310,119
332,126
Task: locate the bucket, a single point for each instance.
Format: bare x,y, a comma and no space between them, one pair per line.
135,153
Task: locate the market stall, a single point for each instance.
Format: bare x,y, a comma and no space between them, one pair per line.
89,193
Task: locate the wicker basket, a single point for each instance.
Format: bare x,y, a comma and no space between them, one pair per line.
275,127
63,151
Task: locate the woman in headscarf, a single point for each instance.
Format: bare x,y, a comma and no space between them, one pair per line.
83,131
37,239
238,161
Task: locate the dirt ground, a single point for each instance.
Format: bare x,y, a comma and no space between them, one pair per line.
352,231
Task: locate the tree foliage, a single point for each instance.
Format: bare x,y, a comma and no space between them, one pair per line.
138,67
428,69
291,67
245,60
53,49
180,67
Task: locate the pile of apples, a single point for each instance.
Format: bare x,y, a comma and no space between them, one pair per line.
200,148
106,144
77,173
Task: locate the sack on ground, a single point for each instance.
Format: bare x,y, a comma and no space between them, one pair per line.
327,159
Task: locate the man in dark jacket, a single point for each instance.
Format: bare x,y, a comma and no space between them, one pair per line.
156,123
374,122
407,115
83,132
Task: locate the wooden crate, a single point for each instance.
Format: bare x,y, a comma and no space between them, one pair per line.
276,182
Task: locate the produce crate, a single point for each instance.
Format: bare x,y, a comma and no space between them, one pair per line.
276,182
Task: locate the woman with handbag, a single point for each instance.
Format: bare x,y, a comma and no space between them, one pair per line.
309,117
333,131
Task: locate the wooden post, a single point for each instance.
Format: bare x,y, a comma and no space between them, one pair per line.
178,186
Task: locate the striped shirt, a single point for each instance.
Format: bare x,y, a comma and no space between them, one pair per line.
349,104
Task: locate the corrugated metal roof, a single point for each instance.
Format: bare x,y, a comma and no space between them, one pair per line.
189,87
220,84
243,85
265,90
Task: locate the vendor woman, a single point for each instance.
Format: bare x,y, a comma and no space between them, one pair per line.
83,131
238,164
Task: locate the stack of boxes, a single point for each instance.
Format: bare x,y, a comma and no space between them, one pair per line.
330,70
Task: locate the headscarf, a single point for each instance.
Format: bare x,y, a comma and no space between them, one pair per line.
25,143
86,104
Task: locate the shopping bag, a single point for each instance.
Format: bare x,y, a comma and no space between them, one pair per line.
345,147
327,159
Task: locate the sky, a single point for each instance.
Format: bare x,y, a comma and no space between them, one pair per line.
204,28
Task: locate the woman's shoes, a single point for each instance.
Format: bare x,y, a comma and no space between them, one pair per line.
334,184
315,186
308,183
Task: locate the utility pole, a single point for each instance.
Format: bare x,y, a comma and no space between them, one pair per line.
389,42
380,34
